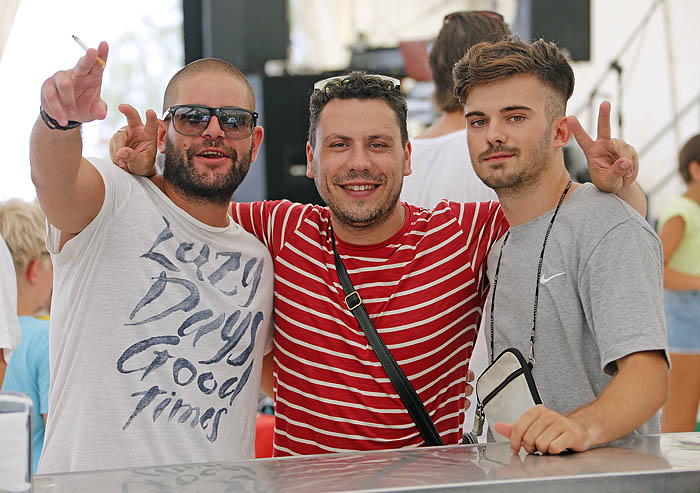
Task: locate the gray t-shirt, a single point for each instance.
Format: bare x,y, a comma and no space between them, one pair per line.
159,324
600,296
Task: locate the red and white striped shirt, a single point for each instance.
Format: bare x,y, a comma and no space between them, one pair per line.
423,288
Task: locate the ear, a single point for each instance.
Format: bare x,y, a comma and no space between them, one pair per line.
561,132
257,137
162,130
407,170
309,160
31,272
694,170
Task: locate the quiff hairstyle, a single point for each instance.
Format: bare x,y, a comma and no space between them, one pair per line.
205,65
23,227
490,61
358,85
460,31
690,152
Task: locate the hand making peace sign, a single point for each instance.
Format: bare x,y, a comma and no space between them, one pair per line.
613,163
134,147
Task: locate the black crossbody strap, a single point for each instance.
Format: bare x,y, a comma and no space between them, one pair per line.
403,387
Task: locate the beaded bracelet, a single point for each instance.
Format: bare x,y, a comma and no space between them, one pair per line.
53,124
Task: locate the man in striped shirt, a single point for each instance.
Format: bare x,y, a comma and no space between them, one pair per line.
420,274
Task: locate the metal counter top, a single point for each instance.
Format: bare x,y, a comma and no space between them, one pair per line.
654,463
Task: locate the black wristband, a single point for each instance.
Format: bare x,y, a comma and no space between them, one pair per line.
53,124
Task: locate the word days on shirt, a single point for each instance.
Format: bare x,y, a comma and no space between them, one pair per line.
188,321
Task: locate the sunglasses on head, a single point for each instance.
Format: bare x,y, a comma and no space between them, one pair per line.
338,79
192,120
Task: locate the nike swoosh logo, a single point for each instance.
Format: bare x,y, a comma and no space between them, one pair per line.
545,280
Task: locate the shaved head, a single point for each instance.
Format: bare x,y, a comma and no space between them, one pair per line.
203,66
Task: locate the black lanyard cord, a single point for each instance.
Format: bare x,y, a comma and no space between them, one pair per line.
531,356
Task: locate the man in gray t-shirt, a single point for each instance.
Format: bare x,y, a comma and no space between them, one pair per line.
582,263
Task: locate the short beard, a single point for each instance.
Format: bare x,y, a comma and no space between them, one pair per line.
182,175
516,182
367,218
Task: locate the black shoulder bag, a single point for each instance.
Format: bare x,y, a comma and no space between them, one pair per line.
406,392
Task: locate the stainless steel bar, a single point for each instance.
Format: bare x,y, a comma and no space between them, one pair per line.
654,463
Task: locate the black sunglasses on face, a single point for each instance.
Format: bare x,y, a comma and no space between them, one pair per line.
192,120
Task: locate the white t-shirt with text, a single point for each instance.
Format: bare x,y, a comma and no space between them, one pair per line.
159,324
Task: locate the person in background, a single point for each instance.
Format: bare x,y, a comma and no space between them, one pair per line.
23,225
441,166
594,295
9,325
679,230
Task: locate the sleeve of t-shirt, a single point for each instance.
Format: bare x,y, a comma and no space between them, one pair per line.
118,185
483,223
621,290
678,207
270,221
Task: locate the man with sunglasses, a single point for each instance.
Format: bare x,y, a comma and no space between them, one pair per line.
162,304
418,272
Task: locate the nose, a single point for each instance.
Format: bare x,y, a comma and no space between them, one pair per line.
495,134
213,130
359,158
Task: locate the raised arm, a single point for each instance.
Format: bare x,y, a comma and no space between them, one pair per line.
613,163
70,190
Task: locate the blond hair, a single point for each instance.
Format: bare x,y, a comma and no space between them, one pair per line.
23,227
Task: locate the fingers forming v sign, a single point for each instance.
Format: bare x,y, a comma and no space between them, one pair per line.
613,163
134,147
603,135
75,94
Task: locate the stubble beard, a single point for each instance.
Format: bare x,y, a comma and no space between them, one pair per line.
179,171
365,215
520,180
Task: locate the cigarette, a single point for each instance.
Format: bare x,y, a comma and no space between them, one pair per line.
100,61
